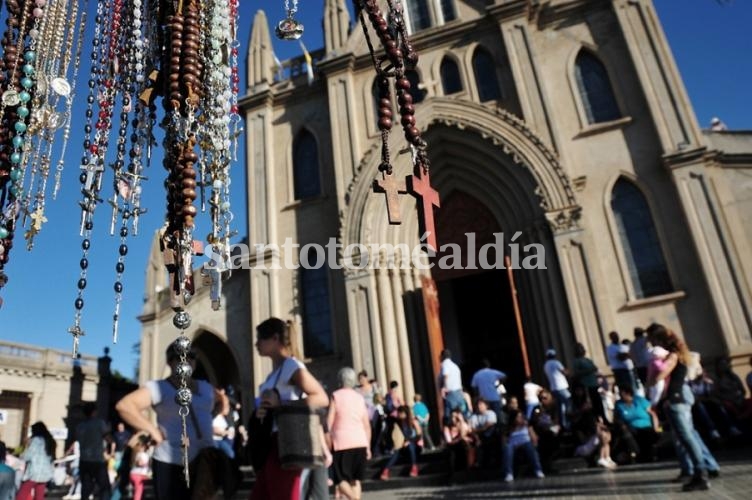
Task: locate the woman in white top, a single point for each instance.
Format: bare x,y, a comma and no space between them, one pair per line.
167,461
295,385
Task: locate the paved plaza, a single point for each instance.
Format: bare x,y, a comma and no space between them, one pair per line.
651,481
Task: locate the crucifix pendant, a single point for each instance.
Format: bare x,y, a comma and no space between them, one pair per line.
391,189
419,185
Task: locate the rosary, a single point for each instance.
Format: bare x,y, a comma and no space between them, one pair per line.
399,56
184,51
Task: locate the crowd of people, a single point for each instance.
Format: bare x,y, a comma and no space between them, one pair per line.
302,440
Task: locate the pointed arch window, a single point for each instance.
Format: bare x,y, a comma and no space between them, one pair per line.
639,240
596,92
450,77
484,68
417,93
315,308
306,176
447,10
420,17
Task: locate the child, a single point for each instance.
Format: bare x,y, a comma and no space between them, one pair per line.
656,387
420,410
531,390
521,435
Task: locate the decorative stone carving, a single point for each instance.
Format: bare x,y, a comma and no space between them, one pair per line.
564,220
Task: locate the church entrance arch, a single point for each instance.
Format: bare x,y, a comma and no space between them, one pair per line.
215,362
477,315
492,168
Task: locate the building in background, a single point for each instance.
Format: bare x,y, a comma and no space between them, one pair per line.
565,121
43,384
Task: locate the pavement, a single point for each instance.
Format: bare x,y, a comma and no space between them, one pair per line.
641,481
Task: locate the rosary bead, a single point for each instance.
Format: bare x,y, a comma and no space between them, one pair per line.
183,396
408,121
407,109
82,283
3,233
124,230
79,304
385,123
20,127
119,267
28,69
189,211
89,225
37,12
118,287
82,177
15,158
24,96
30,56
86,244
17,139
123,250
15,174
403,83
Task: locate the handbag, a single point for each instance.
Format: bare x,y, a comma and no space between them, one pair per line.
299,436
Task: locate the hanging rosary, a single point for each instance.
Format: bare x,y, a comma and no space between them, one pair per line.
399,56
184,51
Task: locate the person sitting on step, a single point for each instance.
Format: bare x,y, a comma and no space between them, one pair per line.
412,445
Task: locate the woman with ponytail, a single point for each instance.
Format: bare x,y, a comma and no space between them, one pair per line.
294,385
39,454
678,400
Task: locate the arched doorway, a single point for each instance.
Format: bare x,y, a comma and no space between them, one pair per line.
516,183
477,315
215,362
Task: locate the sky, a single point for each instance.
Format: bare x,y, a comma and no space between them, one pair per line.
709,40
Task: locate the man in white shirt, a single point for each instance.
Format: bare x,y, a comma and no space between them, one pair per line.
557,381
640,354
485,384
450,382
617,360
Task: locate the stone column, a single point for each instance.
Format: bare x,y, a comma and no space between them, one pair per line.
408,384
388,324
376,336
717,254
663,88
577,280
516,31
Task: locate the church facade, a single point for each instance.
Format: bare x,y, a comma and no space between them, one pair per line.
562,125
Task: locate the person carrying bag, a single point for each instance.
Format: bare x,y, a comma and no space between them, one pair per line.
290,396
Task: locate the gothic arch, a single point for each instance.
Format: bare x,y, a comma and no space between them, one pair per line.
499,129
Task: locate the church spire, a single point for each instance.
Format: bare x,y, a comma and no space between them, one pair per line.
336,24
260,53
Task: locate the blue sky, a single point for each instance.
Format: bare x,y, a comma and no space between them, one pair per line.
710,43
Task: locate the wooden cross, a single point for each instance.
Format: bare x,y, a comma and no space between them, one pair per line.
391,189
419,185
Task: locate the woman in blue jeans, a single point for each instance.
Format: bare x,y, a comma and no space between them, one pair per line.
410,428
678,401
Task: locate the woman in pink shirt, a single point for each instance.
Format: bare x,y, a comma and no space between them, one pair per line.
350,431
